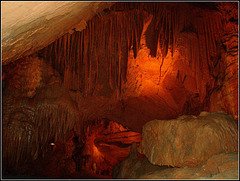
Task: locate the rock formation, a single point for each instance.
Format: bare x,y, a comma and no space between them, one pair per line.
189,140
189,147
69,63
102,145
30,26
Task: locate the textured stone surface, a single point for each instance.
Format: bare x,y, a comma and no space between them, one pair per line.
134,166
221,166
36,107
30,26
189,140
230,39
104,143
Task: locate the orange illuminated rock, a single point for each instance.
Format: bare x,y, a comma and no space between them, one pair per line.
189,140
105,143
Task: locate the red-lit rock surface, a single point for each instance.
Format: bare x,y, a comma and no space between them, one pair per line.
103,144
221,166
189,140
229,78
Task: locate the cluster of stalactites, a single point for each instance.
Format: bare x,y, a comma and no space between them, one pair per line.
200,28
27,137
104,46
17,137
101,51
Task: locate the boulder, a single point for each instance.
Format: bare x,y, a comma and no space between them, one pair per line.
226,167
189,140
221,166
134,166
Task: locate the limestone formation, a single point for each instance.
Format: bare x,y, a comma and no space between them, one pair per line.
29,26
189,140
220,166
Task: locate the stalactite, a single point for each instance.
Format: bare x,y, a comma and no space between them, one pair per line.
64,52
206,43
91,40
80,64
110,49
213,30
209,37
78,61
80,56
59,54
175,14
171,33
74,41
17,135
118,67
190,49
85,62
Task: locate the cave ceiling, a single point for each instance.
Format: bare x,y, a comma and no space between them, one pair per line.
37,24
30,26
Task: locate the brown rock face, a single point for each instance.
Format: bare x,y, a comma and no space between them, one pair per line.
227,168
220,166
230,66
134,166
189,140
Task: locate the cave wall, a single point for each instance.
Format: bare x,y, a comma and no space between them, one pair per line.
225,97
136,63
110,65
